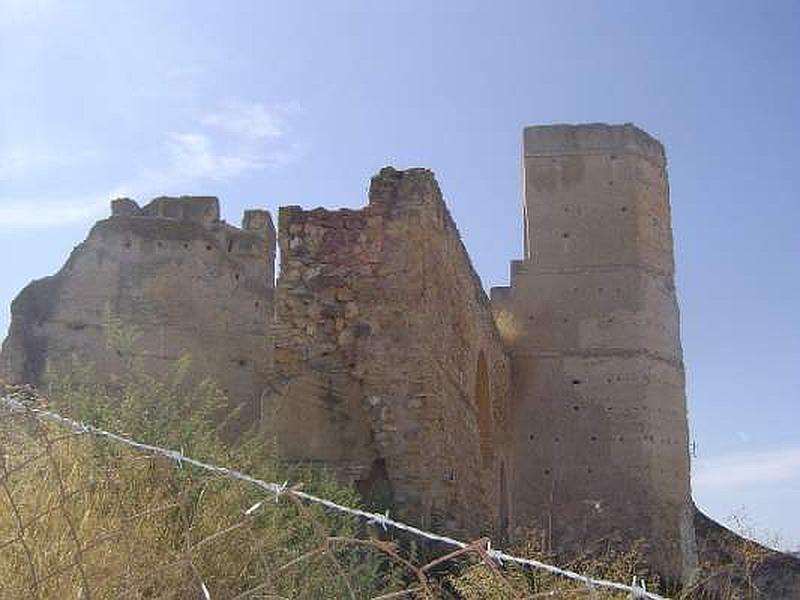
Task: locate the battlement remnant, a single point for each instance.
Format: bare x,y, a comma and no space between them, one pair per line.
186,281
197,209
124,207
559,140
259,221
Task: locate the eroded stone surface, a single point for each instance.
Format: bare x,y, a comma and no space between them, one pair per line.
173,273
591,323
388,364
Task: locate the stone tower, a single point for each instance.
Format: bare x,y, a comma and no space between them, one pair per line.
600,440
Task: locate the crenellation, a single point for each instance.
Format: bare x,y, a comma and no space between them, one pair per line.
197,209
124,207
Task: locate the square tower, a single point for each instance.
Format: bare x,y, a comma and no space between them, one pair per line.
591,322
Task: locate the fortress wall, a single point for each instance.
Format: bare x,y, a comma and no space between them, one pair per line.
184,281
591,322
559,406
390,370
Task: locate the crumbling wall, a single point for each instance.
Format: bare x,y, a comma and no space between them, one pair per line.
389,368
174,274
563,411
591,323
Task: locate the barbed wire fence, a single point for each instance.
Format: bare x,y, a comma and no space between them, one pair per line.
87,513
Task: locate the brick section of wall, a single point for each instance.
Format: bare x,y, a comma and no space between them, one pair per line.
184,280
389,369
591,322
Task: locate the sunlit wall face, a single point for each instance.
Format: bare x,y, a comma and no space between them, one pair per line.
264,104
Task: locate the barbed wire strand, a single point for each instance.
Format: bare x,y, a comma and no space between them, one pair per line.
278,490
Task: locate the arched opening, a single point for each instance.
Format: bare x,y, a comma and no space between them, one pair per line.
503,512
376,488
484,403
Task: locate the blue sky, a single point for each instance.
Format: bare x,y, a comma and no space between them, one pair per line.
267,104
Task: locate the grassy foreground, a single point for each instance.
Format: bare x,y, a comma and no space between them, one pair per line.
81,517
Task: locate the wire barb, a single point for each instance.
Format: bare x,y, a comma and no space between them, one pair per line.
484,549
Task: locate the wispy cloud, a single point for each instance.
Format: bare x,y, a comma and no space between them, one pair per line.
252,121
27,158
195,157
230,142
743,469
238,139
32,214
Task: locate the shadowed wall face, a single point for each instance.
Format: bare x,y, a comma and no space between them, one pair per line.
172,273
389,368
591,321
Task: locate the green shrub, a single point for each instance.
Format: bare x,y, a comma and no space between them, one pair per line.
79,512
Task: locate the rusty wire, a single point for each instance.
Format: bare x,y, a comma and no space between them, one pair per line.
69,527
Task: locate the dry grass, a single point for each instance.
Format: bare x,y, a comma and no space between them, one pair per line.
78,514
80,518
477,582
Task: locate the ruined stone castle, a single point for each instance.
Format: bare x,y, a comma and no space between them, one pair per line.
557,405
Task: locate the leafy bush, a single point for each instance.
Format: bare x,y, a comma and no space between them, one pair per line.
84,516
